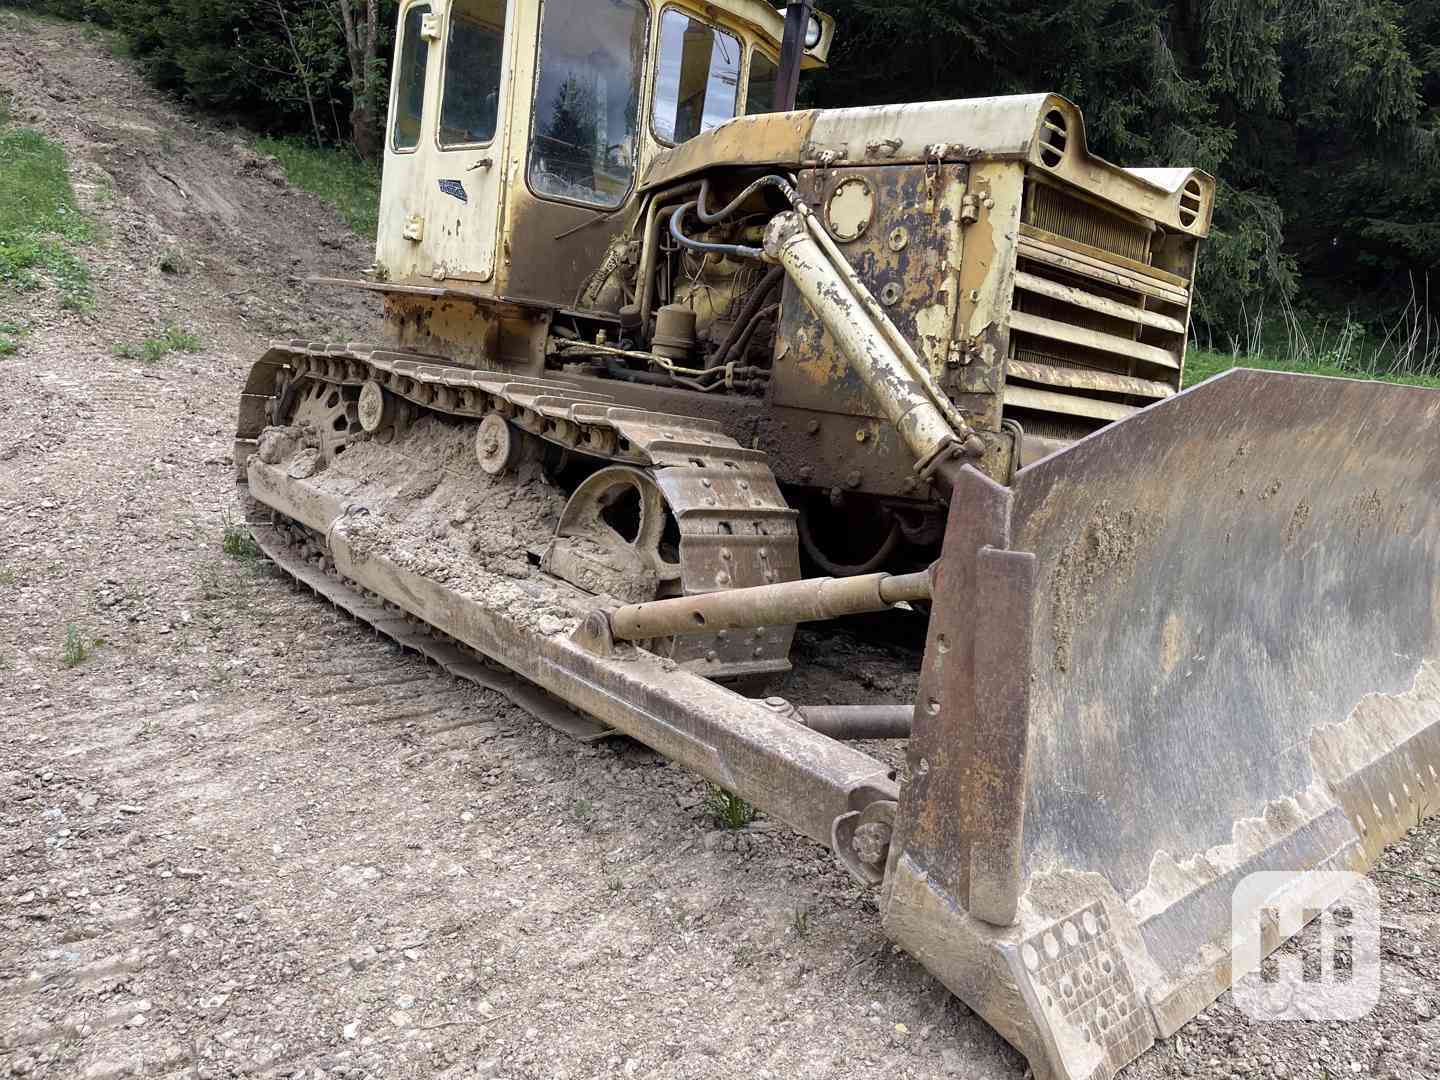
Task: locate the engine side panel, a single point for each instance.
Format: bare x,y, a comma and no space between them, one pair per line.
901,228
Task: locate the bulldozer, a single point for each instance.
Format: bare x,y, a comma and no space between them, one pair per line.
671,366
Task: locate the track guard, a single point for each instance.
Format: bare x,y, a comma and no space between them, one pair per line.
1223,658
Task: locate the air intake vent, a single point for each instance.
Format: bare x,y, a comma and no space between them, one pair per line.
1191,200
1053,137
1063,214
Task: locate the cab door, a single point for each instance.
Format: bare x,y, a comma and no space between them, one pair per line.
440,196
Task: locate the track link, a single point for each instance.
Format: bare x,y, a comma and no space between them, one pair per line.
301,554
736,530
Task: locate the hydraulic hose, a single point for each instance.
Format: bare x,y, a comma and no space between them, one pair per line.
736,251
779,182
753,306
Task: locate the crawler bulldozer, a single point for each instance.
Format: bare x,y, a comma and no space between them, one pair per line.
670,366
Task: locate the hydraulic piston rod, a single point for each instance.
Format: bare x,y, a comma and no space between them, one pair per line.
767,605
853,722
896,378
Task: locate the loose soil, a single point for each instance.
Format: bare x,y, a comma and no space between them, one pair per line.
244,837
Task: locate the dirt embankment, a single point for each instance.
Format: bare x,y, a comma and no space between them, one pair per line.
241,836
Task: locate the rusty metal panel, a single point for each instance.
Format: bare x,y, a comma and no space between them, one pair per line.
1222,576
1234,666
899,241
898,226
938,822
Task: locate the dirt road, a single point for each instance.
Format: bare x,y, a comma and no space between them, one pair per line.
244,837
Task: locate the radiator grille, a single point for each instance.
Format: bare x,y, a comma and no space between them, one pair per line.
1094,332
1075,219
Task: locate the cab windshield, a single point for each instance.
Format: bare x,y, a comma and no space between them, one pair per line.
698,81
587,100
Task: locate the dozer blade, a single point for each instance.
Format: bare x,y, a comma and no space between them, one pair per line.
1203,642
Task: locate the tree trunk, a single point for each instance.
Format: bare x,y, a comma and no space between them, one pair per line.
302,69
361,29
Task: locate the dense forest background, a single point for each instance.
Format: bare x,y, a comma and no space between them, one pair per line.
1321,118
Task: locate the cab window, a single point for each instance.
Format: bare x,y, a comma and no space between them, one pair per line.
473,65
587,99
410,84
760,90
698,79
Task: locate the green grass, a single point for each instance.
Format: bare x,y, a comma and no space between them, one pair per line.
237,542
336,175
1201,365
10,335
729,811
40,222
76,649
154,349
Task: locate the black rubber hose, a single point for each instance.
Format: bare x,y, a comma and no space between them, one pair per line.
753,306
791,195
649,378
742,347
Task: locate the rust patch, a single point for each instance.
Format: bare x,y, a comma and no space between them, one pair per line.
1102,556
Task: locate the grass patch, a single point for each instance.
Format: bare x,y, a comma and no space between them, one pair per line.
728,811
154,349
76,649
10,335
40,221
237,542
1201,365
336,175
1404,348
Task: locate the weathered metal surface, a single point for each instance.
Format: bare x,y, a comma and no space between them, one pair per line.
1101,269
904,256
998,128
811,600
1089,379
1027,397
1103,305
1055,330
851,722
961,812
466,332
1234,667
901,391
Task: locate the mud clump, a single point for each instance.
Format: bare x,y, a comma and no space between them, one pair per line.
1102,555
423,501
